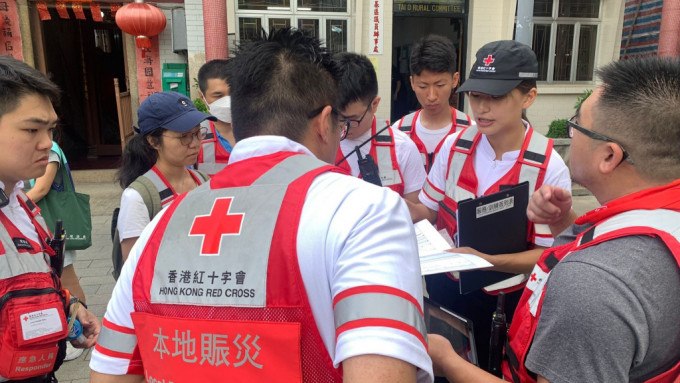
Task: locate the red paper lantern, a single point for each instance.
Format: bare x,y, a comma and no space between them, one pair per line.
142,21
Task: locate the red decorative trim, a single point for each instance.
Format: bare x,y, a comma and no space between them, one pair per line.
376,289
370,322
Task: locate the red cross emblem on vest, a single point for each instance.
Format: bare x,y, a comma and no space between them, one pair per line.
488,60
212,227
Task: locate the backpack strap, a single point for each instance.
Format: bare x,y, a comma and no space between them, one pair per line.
150,195
199,174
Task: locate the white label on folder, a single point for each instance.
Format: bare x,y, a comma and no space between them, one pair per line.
495,207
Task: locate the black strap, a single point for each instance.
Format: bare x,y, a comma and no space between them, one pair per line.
551,261
513,362
362,144
531,156
588,236
465,144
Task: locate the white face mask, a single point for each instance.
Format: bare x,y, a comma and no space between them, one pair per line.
221,109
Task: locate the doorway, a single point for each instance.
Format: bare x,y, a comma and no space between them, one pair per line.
83,57
404,100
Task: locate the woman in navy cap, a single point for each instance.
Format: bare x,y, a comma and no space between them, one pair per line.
501,149
155,161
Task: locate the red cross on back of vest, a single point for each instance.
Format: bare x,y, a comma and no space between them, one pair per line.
218,223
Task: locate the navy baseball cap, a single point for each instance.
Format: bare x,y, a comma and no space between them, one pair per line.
501,66
171,111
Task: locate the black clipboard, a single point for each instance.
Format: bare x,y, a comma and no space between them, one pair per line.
493,224
456,329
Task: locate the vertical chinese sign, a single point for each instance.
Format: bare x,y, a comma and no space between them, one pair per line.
10,36
376,14
148,70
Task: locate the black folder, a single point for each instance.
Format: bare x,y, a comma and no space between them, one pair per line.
493,224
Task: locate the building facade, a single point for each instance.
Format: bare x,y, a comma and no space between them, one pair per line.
81,47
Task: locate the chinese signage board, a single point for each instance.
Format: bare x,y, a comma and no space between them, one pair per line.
428,7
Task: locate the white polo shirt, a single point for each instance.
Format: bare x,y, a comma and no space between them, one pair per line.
408,158
351,234
489,171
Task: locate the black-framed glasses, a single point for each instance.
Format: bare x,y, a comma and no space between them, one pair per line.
343,124
187,138
571,125
356,123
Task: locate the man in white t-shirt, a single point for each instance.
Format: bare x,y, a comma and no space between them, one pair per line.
386,156
434,76
279,269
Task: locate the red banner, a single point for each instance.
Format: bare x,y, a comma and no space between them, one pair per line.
62,11
96,12
78,11
114,9
43,12
148,70
10,38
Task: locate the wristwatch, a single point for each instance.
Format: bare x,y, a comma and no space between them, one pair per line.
74,300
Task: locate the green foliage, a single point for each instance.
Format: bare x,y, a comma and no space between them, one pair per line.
200,105
195,79
582,97
558,129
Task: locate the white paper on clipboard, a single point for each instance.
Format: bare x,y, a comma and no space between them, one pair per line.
435,259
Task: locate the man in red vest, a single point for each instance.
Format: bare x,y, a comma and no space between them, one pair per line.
283,268
217,144
602,305
34,309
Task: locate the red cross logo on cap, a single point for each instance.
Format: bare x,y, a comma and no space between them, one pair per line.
488,60
215,225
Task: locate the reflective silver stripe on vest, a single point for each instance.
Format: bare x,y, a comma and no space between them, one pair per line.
536,150
378,306
460,117
13,263
659,219
386,169
407,123
456,166
117,341
237,274
164,191
432,192
209,164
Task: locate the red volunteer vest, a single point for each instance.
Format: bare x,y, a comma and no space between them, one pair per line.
460,121
467,180
32,316
212,157
388,166
651,212
208,305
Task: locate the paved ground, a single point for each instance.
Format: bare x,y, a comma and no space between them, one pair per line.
93,265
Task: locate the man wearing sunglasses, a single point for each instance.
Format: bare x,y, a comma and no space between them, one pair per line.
372,148
281,269
602,304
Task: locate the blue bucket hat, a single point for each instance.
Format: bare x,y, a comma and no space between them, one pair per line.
171,111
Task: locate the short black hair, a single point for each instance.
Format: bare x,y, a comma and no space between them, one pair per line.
639,106
433,53
18,79
277,80
356,79
217,68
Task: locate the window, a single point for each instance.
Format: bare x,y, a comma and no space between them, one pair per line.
565,39
328,20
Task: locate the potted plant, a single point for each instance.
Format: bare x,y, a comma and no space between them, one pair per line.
559,133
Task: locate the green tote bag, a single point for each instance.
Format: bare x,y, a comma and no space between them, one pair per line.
70,207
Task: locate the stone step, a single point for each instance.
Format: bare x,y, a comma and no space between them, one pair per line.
93,176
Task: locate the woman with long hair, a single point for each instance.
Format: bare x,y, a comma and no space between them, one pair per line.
157,160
